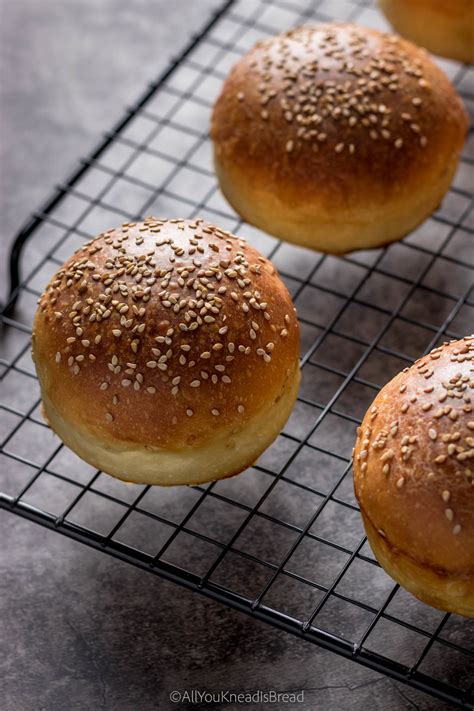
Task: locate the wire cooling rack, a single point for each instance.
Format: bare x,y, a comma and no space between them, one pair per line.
283,541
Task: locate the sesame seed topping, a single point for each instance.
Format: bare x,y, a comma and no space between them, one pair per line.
327,81
447,428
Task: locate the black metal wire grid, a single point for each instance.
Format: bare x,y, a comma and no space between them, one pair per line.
282,542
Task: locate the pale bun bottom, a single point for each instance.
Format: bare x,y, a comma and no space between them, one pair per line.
449,592
327,227
228,453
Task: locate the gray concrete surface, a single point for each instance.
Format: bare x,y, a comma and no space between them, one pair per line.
82,631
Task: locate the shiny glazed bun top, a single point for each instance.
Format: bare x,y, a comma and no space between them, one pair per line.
164,331
345,113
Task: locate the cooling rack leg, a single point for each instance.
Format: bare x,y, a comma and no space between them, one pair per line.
14,270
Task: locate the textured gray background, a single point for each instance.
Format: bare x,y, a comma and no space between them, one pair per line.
80,630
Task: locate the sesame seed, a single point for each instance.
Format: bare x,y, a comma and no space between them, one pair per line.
189,413
457,529
195,383
216,413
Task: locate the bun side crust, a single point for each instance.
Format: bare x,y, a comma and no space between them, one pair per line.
451,592
228,453
414,473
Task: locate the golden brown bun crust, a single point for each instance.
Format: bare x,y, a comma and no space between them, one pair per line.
453,593
414,474
444,27
322,125
164,334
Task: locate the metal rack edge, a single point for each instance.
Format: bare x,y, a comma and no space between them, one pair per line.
279,620
50,203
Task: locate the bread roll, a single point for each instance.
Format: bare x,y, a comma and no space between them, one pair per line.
444,27
167,352
414,477
336,137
